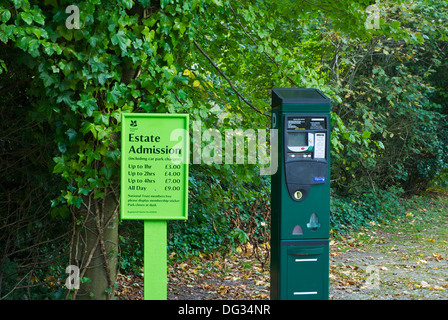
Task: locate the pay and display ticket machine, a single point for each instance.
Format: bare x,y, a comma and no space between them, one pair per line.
300,195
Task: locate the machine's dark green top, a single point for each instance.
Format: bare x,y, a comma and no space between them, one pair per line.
300,100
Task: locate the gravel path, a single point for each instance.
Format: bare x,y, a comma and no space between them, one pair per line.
406,260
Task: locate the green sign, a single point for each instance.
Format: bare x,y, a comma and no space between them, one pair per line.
154,185
154,166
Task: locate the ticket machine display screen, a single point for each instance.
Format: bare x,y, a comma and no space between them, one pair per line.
297,139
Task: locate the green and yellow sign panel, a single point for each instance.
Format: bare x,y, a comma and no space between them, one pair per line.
154,166
154,184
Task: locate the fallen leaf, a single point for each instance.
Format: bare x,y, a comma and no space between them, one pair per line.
222,289
422,261
183,266
437,256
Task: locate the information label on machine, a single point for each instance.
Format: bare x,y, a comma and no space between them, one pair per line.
317,124
319,145
306,123
297,123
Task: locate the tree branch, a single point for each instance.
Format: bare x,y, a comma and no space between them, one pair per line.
227,79
316,5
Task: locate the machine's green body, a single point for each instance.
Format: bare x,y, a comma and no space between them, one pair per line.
300,196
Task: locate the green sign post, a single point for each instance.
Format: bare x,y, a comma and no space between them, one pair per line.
154,185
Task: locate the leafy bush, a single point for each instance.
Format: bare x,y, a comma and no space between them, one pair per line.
131,246
390,121
351,213
224,211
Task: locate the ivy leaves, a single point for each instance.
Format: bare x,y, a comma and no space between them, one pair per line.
121,40
5,16
80,75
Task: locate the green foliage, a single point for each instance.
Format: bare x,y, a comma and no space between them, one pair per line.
85,76
390,128
440,183
222,215
352,213
31,233
131,246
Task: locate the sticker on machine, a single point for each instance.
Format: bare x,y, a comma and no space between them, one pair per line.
319,145
319,179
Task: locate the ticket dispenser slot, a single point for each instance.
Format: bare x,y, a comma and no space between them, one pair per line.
305,153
